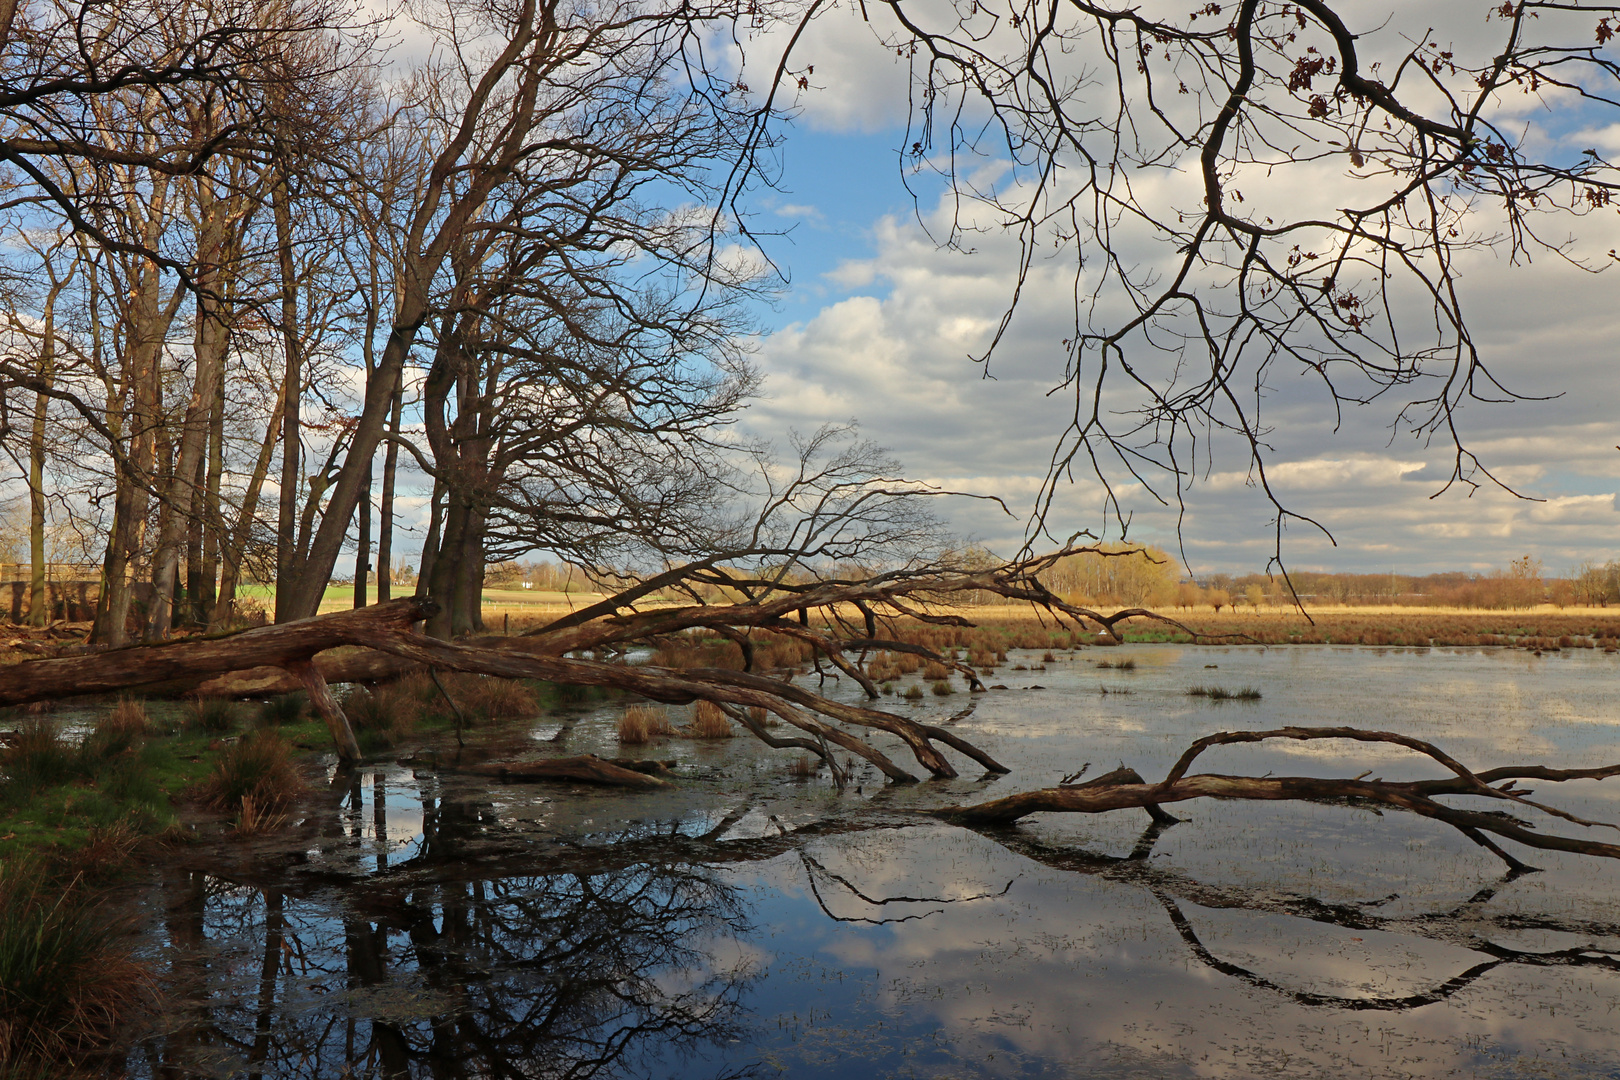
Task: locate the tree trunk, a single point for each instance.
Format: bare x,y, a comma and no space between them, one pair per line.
362,547
37,613
214,518
235,543
385,513
289,560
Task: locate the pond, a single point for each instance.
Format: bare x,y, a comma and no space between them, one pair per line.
749,923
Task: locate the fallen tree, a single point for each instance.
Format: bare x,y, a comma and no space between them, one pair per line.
852,620
1125,788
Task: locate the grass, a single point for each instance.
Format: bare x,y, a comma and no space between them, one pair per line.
284,709
1216,693
943,689
1117,665
255,779
914,692
211,714
803,767
709,721
642,723
67,973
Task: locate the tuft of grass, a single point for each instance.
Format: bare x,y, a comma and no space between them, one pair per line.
37,758
382,716
914,692
803,767
1047,657
257,771
643,723
943,689
1117,665
935,671
764,718
67,975
284,709
128,719
1217,693
709,722
214,715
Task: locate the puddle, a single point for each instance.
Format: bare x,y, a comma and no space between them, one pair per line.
746,923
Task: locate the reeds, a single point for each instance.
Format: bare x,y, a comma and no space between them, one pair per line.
803,767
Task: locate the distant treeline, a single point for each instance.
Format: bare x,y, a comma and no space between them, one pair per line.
1146,576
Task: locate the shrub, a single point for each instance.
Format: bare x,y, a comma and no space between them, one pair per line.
942,689
66,974
258,767
709,721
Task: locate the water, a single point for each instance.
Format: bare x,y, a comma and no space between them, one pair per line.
748,924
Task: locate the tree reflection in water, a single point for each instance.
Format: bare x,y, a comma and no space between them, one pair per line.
480,957
548,974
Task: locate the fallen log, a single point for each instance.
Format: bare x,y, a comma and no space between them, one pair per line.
197,657
288,647
586,767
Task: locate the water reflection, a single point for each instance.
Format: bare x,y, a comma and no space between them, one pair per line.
430,926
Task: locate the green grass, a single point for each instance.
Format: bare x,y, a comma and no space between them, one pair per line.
56,798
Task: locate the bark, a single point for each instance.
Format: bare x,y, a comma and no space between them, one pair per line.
37,613
205,596
117,669
289,560
362,552
385,512
326,706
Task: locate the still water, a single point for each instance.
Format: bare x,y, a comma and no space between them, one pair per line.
748,923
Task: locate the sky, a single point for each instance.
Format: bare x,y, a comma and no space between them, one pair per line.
879,325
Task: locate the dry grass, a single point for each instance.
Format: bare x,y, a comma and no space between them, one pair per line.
643,723
943,688
762,716
128,719
803,767
255,778
708,722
